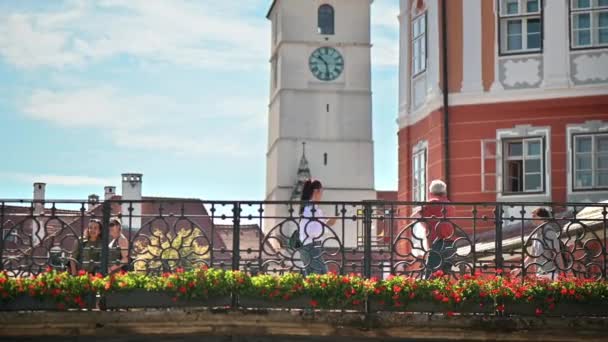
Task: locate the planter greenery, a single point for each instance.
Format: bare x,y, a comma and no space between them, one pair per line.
214,288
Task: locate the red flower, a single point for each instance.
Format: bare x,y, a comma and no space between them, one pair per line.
412,295
48,269
499,308
345,280
286,297
438,274
538,312
450,314
323,285
377,291
397,304
445,300
108,285
564,291
121,284
571,292
314,303
32,293
2,280
170,285
82,272
182,289
397,289
191,284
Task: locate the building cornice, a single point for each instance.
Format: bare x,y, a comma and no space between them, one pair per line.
503,96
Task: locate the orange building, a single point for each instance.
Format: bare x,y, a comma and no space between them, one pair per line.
523,115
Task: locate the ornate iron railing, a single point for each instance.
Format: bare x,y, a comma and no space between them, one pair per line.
370,238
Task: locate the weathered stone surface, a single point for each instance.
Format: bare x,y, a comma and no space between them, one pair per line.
277,325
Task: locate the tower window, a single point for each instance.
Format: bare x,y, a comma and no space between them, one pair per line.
324,158
326,19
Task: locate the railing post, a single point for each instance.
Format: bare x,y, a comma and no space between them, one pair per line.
236,236
105,236
236,244
367,240
498,240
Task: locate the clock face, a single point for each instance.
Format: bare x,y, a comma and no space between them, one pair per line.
326,63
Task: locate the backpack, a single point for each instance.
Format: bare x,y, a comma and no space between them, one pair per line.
294,240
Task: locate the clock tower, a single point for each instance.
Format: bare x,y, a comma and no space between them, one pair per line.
320,95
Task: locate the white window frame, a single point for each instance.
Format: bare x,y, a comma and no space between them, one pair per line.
523,132
594,10
594,155
505,18
524,158
419,152
419,45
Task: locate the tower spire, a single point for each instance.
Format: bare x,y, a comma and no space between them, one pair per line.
302,176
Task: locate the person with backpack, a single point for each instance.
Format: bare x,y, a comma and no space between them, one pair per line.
311,228
546,258
439,231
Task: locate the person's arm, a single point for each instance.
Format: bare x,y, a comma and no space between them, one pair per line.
124,255
74,259
124,251
557,248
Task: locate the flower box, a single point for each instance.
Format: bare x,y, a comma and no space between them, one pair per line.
561,309
300,302
28,303
433,307
140,298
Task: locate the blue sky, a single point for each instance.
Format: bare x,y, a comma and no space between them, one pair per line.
176,90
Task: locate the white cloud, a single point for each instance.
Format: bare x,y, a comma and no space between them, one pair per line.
385,31
200,34
65,180
154,123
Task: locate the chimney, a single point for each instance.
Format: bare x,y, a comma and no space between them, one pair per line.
93,200
38,232
131,191
39,190
109,192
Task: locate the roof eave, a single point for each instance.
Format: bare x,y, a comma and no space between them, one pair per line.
274,2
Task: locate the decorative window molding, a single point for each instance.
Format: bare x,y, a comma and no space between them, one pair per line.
520,26
523,163
587,167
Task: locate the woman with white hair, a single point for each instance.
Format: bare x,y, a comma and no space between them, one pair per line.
439,231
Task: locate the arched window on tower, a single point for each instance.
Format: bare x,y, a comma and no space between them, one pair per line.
326,19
